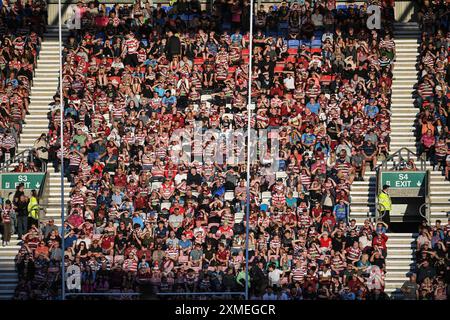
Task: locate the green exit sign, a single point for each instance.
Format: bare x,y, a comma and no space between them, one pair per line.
9,181
403,179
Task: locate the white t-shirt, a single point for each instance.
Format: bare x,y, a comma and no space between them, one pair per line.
364,242
176,220
289,83
274,276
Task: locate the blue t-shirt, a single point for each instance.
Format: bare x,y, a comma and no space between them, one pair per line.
371,111
139,221
13,82
308,138
68,242
169,101
314,108
236,38
185,244
160,91
291,202
340,211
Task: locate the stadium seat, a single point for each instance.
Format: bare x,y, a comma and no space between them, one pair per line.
316,44
226,26
291,59
293,43
198,61
232,69
278,69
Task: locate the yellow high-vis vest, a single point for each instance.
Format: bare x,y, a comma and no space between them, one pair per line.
385,201
33,208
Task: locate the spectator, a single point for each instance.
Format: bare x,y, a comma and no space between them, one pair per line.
33,209
7,222
385,204
410,289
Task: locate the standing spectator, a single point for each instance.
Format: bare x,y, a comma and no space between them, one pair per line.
21,207
410,289
6,221
385,204
33,210
173,46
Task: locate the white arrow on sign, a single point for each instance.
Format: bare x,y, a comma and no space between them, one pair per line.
419,183
38,185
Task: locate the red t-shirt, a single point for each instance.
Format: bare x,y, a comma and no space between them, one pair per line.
325,243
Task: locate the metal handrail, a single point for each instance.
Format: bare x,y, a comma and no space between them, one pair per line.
25,156
398,153
424,213
42,187
378,216
427,195
377,190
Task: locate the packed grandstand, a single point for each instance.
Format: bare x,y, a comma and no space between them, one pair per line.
151,213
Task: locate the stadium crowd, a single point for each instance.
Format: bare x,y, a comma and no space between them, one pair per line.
144,217
21,28
431,278
138,215
433,85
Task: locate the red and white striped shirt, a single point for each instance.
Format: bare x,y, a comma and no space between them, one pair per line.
75,159
132,45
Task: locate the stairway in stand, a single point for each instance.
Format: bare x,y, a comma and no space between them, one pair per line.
401,246
402,118
45,85
404,113
400,261
8,274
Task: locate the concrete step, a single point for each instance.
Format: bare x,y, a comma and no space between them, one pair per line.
44,72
